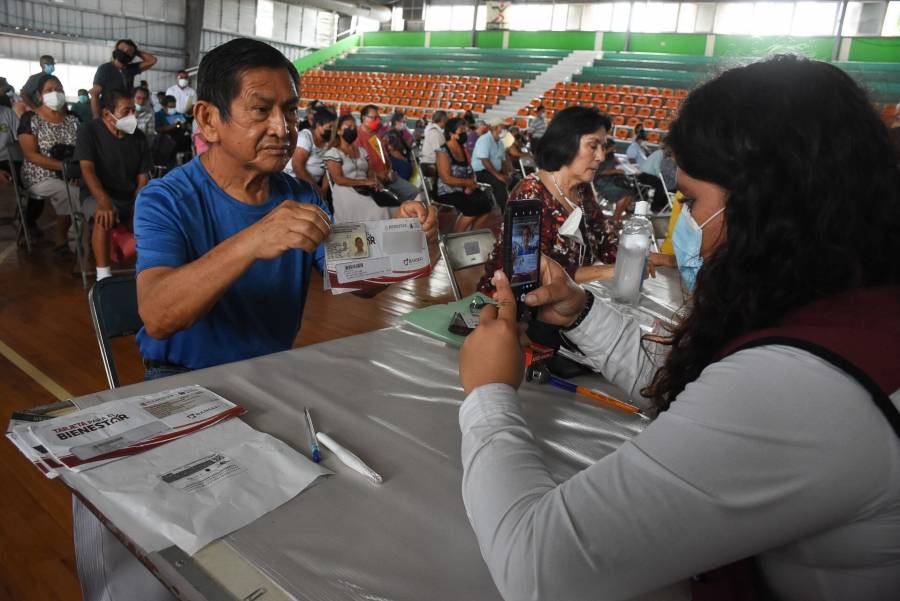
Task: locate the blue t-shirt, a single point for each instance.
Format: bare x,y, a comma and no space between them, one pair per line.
183,216
488,148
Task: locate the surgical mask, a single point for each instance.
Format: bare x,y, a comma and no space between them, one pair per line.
127,124
83,98
462,138
139,108
687,239
571,227
326,135
349,135
503,133
48,69
54,100
373,123
170,111
182,82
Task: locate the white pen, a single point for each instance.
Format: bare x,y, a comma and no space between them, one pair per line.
348,458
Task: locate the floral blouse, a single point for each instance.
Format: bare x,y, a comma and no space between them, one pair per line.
598,233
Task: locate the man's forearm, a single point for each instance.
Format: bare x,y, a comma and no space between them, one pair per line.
94,186
95,105
176,299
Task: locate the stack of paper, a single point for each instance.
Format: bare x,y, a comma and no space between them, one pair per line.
82,439
168,468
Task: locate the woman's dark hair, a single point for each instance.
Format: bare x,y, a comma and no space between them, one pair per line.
112,98
42,80
323,116
219,75
336,138
812,200
559,144
396,141
451,126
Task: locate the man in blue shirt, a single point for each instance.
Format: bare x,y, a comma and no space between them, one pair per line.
226,244
489,161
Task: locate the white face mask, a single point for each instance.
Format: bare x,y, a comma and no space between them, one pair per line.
571,228
127,124
54,100
182,82
170,111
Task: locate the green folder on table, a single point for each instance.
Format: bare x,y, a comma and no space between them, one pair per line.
435,319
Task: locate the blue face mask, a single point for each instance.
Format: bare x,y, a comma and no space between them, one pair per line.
48,69
687,238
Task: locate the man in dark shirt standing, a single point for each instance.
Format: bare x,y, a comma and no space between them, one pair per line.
118,74
115,165
48,65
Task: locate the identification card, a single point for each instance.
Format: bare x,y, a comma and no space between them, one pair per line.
348,241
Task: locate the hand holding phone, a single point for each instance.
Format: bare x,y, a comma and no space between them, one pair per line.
522,251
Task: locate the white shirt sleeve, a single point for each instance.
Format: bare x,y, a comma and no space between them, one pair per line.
305,140
748,459
614,345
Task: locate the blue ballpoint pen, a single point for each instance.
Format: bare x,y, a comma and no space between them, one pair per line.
313,443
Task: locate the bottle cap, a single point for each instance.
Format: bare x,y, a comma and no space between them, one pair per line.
641,208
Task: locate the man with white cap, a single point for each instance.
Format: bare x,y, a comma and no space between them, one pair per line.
489,161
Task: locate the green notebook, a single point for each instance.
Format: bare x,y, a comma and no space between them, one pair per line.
434,320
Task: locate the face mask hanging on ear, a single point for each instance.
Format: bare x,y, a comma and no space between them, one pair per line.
571,227
687,239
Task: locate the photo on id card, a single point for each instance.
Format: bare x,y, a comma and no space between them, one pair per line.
375,253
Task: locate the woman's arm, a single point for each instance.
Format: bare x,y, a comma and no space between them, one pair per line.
336,171
592,273
29,145
298,163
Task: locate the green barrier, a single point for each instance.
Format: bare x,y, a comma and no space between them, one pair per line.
663,65
432,70
477,52
412,66
456,56
613,72
659,56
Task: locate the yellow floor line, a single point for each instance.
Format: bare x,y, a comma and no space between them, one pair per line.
34,373
4,254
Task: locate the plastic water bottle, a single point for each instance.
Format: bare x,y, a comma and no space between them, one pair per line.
631,259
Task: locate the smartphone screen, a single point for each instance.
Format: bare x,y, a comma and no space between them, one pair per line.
522,247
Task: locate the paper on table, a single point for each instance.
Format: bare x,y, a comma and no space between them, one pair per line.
196,489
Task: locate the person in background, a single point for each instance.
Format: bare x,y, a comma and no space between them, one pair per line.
567,160
514,143
169,121
29,92
610,184
39,131
143,112
490,163
185,96
398,124
456,184
350,168
118,74
82,108
658,168
399,154
638,150
158,100
11,167
309,116
432,139
538,125
777,438
471,133
115,165
368,138
308,162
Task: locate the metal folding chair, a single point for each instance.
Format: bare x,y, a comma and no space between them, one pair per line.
465,249
114,313
78,223
21,207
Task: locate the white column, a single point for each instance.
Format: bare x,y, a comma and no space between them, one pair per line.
710,44
505,39
598,41
428,39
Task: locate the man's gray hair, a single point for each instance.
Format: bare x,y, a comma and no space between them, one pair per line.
439,116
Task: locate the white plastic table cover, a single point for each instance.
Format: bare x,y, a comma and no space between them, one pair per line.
392,397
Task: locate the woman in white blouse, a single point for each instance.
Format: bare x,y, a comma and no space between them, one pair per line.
778,436
308,160
348,165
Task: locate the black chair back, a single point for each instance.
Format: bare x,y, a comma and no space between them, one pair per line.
114,312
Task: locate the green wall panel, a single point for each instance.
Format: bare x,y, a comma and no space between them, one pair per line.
613,41
320,56
884,50
394,38
450,39
668,43
562,40
489,39
743,45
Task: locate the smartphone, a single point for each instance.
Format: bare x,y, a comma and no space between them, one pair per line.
522,251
